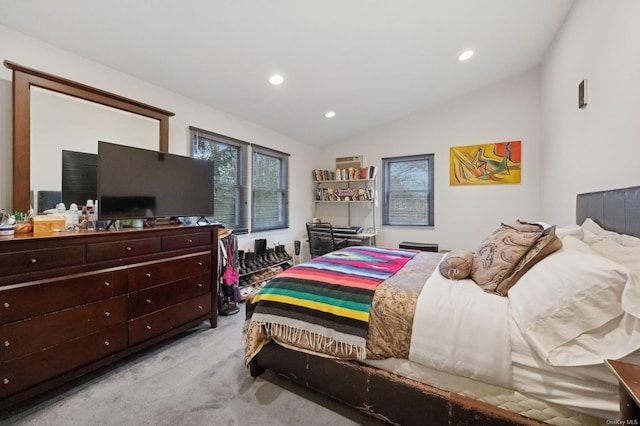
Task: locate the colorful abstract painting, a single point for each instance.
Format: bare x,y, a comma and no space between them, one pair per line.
485,164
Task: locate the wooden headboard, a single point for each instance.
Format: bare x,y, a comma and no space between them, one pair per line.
616,209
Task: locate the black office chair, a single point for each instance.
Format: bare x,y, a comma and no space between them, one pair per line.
322,239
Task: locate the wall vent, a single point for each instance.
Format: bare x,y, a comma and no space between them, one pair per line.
354,161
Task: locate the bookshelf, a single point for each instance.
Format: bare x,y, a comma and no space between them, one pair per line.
346,193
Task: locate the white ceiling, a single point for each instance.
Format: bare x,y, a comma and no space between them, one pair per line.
371,61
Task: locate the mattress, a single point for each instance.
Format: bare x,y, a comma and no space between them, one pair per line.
584,395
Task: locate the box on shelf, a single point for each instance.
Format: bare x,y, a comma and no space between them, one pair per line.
47,223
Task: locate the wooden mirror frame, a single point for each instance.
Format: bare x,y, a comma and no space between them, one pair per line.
23,79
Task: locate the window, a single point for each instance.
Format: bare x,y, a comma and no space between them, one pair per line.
270,189
230,180
407,184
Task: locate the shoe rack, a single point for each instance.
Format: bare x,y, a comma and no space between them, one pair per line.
260,265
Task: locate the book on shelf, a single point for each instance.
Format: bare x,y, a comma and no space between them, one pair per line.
322,175
350,173
345,194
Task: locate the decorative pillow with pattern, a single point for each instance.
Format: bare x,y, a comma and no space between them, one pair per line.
546,244
457,264
501,251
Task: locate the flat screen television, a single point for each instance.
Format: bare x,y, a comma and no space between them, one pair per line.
136,183
79,177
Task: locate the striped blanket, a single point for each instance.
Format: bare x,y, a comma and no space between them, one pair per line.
327,300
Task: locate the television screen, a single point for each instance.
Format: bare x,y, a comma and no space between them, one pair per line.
135,183
79,177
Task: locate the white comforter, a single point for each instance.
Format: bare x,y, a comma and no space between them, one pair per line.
460,329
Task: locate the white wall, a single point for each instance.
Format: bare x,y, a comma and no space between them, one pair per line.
464,215
598,147
565,150
32,53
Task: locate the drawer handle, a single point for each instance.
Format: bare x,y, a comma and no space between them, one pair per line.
6,343
189,240
107,283
107,314
200,285
148,300
200,263
34,260
6,304
5,381
128,248
200,307
148,275
106,343
148,327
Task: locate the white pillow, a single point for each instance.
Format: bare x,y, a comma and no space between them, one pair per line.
573,230
591,228
627,256
570,293
575,243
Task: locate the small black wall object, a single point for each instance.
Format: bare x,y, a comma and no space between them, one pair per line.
582,94
296,245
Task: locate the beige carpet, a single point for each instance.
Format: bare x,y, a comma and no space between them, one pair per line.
197,378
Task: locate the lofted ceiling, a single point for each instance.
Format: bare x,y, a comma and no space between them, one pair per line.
370,61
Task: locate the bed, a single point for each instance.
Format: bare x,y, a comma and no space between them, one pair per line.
420,345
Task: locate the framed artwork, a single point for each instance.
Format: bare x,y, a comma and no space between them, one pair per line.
485,164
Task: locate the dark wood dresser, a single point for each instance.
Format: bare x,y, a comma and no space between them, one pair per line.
628,376
71,302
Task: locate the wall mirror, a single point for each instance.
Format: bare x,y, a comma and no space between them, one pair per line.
51,114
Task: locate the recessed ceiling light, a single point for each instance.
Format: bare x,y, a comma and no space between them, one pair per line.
465,55
330,114
276,79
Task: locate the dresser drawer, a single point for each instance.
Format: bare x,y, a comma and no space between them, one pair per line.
176,242
123,249
159,297
158,272
21,338
23,262
29,299
24,372
151,325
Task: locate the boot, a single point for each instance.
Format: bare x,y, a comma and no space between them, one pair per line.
263,253
241,266
278,253
271,255
260,245
283,252
250,263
